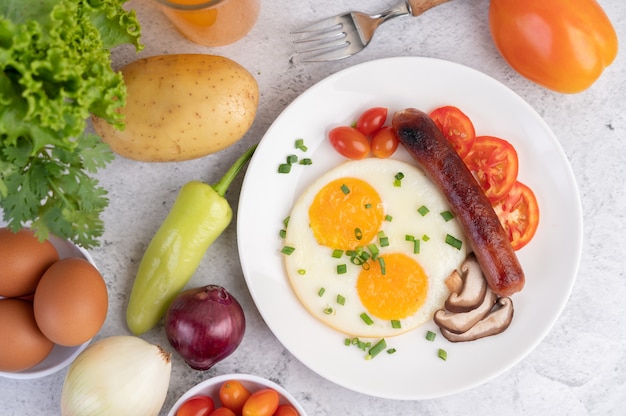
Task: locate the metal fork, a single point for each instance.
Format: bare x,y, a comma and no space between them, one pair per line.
344,35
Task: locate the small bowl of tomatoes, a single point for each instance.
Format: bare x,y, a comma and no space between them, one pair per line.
237,395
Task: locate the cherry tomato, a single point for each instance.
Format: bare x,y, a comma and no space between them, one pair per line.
563,45
223,411
196,406
371,120
456,127
385,142
493,161
286,410
349,142
519,214
262,402
233,395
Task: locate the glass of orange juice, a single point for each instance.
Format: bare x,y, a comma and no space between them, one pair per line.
212,22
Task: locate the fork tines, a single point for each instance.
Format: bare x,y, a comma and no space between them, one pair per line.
325,40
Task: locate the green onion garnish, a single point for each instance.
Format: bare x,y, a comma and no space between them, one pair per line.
396,324
320,292
383,269
337,253
306,161
301,272
287,250
383,241
409,237
328,310
425,237
454,242
373,248
447,215
358,234
347,342
291,159
442,354
377,348
283,233
398,179
388,218
300,145
365,317
286,221
368,206
345,189
342,269
391,350
423,210
341,300
284,168
430,336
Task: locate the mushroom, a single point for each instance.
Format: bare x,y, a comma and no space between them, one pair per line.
459,322
496,322
474,287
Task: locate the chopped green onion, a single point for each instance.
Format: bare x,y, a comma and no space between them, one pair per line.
430,336
425,237
358,234
328,311
341,300
447,215
388,218
337,253
300,145
287,250
391,350
347,342
365,317
306,161
291,159
355,341
396,324
383,269
398,179
373,248
454,242
320,292
377,348
384,241
301,272
442,354
345,189
284,168
423,210
368,206
286,221
409,237
283,233
342,269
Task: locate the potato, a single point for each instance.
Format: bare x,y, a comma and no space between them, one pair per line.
182,107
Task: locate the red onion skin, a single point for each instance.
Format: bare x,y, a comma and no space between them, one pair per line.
204,325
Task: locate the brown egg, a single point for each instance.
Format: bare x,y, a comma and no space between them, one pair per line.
71,302
23,260
22,345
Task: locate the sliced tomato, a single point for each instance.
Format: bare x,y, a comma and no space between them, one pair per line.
371,120
518,212
456,126
349,142
493,162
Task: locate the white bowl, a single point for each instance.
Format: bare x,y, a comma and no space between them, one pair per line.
211,387
60,356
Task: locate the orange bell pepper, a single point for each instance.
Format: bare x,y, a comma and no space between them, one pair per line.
563,45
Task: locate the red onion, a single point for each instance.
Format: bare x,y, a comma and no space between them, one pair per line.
204,325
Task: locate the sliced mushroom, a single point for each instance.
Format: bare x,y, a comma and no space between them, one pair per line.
459,322
494,323
474,287
454,282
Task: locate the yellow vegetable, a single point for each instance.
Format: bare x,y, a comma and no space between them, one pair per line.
182,107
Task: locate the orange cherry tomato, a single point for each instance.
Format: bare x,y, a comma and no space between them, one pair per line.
493,161
385,142
233,395
196,406
563,45
349,142
371,120
262,402
222,411
456,126
518,212
286,410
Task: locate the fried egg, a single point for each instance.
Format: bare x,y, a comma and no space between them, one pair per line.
368,247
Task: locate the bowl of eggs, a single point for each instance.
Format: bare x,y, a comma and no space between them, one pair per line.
239,394
53,301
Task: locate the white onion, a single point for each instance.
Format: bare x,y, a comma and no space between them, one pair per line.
117,376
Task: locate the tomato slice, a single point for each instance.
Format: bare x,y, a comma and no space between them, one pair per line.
456,126
349,142
493,161
518,212
371,120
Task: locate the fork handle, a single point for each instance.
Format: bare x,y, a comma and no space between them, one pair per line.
420,6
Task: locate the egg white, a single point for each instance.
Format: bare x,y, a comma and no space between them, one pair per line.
311,269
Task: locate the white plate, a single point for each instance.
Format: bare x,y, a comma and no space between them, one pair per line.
550,260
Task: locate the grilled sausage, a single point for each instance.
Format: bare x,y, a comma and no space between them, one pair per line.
486,236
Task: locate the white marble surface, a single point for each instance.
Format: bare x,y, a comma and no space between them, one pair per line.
578,369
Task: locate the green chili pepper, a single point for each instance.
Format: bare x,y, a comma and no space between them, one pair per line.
199,215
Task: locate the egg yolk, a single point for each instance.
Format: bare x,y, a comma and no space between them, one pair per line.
396,294
345,214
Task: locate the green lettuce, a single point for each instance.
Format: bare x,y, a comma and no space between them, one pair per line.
56,72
